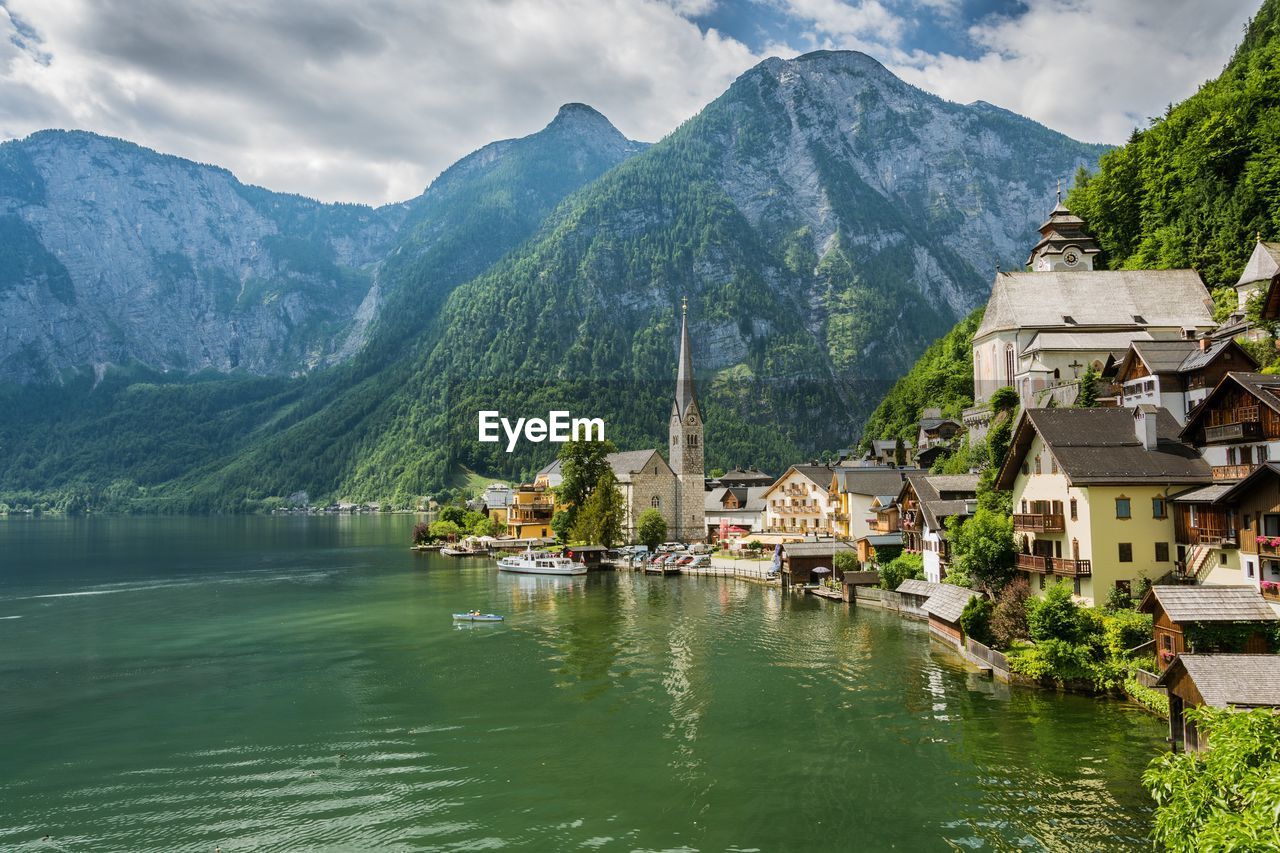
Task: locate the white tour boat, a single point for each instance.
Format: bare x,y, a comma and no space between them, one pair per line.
540,563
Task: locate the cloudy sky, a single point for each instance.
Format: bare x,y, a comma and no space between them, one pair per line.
368,101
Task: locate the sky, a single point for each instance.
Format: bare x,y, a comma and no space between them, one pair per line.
369,101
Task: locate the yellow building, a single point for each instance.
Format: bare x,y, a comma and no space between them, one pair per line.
1092,495
853,493
529,516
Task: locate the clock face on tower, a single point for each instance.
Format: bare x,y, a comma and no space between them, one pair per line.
1071,257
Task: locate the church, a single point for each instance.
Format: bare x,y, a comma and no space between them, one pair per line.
1043,328
647,481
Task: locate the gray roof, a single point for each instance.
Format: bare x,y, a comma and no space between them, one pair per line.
1162,357
624,464
750,498
917,587
1226,680
1099,298
1204,495
878,539
819,474
1262,265
948,601
1266,470
1211,603
930,488
1097,446
815,549
1103,341
870,481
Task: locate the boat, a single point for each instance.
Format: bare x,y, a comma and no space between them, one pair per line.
540,563
476,616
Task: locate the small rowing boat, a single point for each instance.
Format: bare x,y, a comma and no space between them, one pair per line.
476,616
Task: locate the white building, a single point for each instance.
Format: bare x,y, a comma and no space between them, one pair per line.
1043,329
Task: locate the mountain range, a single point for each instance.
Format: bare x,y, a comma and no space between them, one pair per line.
172,338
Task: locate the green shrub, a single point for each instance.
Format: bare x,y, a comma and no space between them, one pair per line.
1124,630
1152,700
903,567
1227,798
975,621
1054,616
846,561
1054,659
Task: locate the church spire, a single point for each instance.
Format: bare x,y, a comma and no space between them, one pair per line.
686,396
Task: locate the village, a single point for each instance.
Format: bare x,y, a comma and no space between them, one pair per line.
1117,529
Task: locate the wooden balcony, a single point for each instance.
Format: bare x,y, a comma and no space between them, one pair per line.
1032,563
1232,472
1214,537
1250,543
1033,522
911,520
1271,593
1053,565
1240,424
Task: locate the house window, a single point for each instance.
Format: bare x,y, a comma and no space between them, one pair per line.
1042,581
1248,569
1158,508
1037,463
1053,464
1262,454
1271,524
1125,587
1122,508
1231,456
1162,552
1024,507
1074,515
655,502
1126,552
1222,558
1026,469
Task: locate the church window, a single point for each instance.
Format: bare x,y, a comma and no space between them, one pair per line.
655,502
1008,364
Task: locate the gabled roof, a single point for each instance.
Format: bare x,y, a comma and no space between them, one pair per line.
1266,389
1209,604
876,540
1105,299
1098,446
917,587
1174,357
749,476
819,475
930,424
1233,491
750,499
1083,340
624,464
868,481
940,496
948,601
1245,681
1263,264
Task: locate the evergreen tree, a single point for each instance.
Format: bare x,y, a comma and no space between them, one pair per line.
1088,397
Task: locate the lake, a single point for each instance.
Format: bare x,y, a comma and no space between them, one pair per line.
256,683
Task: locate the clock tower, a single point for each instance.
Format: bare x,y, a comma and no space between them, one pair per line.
686,450
1064,246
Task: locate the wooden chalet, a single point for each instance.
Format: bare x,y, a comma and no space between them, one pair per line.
1217,681
1177,374
802,560
1253,504
1237,427
591,556
944,609
1192,619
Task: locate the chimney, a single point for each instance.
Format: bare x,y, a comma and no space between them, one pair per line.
1144,425
1204,345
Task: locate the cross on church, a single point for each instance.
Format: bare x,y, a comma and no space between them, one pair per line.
1075,367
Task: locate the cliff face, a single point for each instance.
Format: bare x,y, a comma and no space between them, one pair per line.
113,254
131,256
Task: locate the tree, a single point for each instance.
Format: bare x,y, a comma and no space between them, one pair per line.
983,548
1004,400
899,452
1226,798
562,524
975,620
651,528
1054,616
599,521
581,464
845,562
421,533
485,526
454,514
904,567
444,529
1088,396
1009,617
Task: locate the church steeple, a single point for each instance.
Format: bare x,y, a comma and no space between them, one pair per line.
686,393
1064,244
686,443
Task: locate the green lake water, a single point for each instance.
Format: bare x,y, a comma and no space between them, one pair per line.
297,684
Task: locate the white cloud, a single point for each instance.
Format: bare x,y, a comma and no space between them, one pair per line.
353,101
369,101
1093,69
